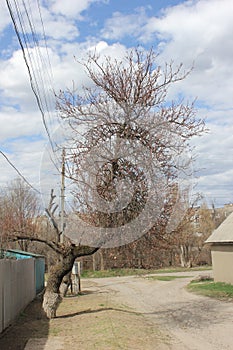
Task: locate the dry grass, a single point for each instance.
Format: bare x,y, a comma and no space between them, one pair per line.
91,321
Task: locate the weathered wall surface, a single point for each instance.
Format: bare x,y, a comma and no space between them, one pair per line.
17,288
222,259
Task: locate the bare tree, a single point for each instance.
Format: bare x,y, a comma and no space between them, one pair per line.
59,273
19,212
19,208
190,235
121,126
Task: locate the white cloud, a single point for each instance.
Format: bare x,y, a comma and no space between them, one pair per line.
19,114
116,50
214,162
199,32
217,188
56,25
27,123
200,20
14,81
70,8
26,157
195,31
59,27
68,71
121,25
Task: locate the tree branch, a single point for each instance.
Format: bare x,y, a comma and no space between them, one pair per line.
53,245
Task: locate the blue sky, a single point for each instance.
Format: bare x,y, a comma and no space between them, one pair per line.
191,32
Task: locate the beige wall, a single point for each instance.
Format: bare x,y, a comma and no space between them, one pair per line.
222,260
17,288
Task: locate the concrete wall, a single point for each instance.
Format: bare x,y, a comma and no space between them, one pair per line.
17,288
222,260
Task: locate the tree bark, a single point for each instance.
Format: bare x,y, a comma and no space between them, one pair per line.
101,260
52,296
185,258
66,283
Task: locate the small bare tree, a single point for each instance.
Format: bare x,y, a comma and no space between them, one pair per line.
67,252
19,208
191,233
21,223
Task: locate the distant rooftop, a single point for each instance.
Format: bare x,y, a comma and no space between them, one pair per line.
224,233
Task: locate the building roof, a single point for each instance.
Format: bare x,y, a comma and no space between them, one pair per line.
224,233
20,253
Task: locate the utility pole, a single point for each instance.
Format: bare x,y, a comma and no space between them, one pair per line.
62,197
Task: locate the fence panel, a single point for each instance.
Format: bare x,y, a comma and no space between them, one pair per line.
1,298
17,288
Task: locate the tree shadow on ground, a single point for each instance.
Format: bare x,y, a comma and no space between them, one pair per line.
31,323
92,311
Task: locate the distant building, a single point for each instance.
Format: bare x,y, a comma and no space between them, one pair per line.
228,208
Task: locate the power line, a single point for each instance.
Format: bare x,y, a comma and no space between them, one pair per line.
18,172
28,58
34,60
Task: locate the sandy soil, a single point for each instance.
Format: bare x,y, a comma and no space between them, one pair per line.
127,313
188,321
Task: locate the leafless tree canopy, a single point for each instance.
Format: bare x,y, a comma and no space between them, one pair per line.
19,207
128,91
127,102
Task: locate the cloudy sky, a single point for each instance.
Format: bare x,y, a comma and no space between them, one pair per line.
196,33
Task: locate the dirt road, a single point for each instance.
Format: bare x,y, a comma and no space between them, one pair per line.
127,313
187,321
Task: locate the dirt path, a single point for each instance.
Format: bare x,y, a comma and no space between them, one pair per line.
128,313
188,321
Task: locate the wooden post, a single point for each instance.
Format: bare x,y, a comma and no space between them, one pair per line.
76,271
62,197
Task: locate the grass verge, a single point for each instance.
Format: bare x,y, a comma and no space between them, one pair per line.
165,278
218,290
138,272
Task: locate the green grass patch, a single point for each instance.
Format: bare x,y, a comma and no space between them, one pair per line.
218,290
113,273
182,269
138,272
165,278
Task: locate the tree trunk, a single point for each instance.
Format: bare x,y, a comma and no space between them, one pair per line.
52,296
185,258
101,260
93,262
66,283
